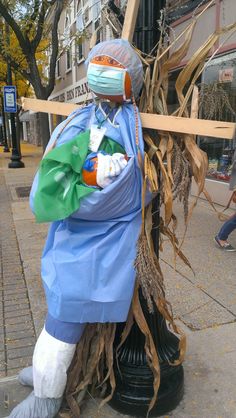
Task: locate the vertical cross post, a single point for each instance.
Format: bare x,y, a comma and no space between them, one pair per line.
130,19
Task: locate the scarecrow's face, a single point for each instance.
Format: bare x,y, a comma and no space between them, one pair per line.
108,79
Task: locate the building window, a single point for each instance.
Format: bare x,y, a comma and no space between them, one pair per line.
172,98
98,29
67,43
67,24
86,16
68,58
79,6
218,102
80,23
58,69
108,36
178,8
80,52
96,10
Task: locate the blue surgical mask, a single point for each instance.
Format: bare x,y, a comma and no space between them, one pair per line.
106,80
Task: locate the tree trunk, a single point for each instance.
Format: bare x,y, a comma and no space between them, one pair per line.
44,129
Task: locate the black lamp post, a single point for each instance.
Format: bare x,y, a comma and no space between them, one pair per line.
134,378
6,147
16,154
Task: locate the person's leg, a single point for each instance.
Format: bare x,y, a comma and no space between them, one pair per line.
51,360
225,231
227,228
64,331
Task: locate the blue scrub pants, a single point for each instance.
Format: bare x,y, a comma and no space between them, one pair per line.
227,228
68,332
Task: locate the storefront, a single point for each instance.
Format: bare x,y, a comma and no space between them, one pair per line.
77,93
217,85
218,102
217,89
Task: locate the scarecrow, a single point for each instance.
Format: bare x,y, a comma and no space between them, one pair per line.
89,186
95,184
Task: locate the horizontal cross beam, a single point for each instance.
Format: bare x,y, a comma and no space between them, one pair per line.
211,128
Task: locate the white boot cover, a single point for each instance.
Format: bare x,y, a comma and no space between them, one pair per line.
51,361
33,407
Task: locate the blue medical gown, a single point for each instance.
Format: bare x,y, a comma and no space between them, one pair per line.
88,260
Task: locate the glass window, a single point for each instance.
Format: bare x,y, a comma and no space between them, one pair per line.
98,28
58,69
67,23
172,99
96,10
218,102
79,6
86,15
80,52
68,58
67,43
80,23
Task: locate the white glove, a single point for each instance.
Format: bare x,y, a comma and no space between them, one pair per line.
109,167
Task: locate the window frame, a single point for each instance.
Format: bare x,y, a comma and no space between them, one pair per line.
68,50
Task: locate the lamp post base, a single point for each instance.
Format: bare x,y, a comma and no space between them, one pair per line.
134,391
16,164
16,160
134,378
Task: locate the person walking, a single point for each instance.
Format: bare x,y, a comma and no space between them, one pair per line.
221,239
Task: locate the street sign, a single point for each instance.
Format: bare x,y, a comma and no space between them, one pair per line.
9,94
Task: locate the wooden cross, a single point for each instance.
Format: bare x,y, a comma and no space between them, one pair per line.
176,124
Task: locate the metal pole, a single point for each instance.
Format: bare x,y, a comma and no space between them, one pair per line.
6,148
16,155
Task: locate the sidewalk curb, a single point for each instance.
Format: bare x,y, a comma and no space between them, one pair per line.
11,393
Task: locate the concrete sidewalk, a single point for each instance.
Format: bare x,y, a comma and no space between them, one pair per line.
204,303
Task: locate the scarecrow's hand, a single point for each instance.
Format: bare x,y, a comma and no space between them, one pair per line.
109,167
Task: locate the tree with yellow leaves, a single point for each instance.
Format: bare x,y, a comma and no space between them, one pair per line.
33,24
22,84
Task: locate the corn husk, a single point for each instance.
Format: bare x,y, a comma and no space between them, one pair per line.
167,157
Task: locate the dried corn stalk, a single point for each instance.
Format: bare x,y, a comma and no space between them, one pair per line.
178,158
214,100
